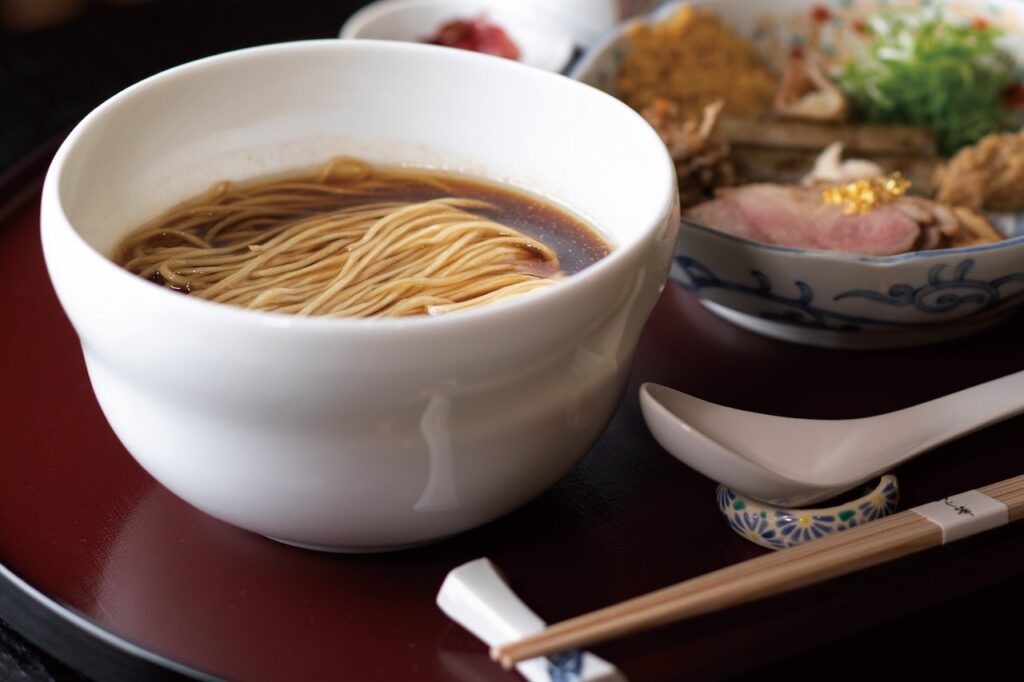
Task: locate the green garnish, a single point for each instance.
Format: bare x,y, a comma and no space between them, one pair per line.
921,71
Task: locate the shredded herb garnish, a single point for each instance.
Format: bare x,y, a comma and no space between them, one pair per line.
920,70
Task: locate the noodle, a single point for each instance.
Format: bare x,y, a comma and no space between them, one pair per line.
340,244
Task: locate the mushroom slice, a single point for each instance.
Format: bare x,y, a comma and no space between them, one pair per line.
829,167
807,93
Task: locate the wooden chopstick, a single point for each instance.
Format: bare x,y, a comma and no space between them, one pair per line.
869,545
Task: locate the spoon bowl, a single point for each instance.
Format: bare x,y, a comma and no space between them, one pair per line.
789,461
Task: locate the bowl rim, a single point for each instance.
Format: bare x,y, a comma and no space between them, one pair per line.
524,16
55,223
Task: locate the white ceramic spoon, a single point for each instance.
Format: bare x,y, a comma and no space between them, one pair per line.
792,462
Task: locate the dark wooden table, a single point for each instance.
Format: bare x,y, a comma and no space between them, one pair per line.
595,532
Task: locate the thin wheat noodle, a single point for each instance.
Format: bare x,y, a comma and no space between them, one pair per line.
338,245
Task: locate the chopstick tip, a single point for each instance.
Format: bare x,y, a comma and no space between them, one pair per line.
499,656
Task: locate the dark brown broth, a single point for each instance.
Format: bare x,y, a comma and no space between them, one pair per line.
576,243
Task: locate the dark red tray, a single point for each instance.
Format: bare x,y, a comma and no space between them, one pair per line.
106,568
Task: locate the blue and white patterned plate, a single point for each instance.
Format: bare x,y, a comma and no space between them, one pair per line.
827,298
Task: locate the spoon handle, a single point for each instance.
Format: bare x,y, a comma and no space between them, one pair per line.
957,414
983,404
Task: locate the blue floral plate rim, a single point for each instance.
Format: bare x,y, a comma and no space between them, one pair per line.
826,254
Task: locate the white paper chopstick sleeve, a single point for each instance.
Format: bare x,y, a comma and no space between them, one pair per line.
964,514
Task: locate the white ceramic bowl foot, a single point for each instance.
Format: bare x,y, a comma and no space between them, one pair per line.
868,340
356,550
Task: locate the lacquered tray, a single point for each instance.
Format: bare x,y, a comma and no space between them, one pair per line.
104,567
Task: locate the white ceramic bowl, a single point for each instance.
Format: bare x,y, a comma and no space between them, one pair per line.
827,298
541,42
358,434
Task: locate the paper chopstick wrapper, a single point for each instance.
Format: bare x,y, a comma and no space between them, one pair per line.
965,514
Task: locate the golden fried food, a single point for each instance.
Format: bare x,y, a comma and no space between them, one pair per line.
988,175
702,163
692,59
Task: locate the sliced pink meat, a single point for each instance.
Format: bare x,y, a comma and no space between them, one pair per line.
796,216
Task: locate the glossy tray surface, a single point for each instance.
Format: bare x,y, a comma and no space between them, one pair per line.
84,525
